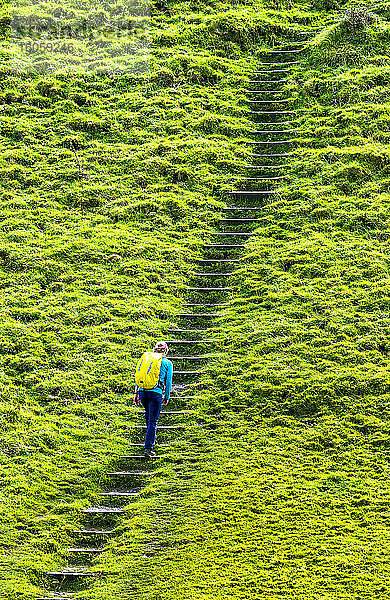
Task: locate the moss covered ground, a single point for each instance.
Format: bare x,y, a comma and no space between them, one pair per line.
109,187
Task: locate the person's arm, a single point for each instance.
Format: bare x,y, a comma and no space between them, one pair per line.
136,395
168,382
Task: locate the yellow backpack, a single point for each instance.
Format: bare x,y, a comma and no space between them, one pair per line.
147,372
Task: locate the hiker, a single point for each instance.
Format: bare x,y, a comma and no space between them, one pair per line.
153,382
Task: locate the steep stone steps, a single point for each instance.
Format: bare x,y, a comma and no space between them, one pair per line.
73,573
273,115
91,551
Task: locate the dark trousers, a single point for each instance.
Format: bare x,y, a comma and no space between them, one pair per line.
152,402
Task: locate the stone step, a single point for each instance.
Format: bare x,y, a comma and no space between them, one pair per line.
271,71
274,166
276,101
206,261
55,596
94,531
185,373
218,274
202,303
102,510
198,315
230,234
245,179
84,550
72,573
264,91
220,246
273,112
188,342
283,51
130,473
165,427
187,330
275,123
282,155
208,289
139,445
123,494
268,80
177,412
264,178
270,142
182,412
252,193
277,64
238,221
233,208
276,131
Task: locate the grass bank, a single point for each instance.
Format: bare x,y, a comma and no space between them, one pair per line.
109,186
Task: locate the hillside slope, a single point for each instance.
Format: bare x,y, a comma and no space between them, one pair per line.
109,188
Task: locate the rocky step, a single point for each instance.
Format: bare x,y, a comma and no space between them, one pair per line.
127,494
251,193
275,131
140,445
141,411
200,357
207,261
276,101
203,303
276,124
206,289
284,51
72,573
271,142
271,71
191,342
240,220
186,373
94,532
102,510
218,246
199,315
233,208
130,474
277,64
218,274
165,427
84,550
262,178
279,155
55,596
274,166
283,91
187,330
267,80
272,112
229,233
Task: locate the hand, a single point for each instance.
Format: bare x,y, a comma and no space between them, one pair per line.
165,402
136,399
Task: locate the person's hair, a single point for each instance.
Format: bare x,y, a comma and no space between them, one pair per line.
161,346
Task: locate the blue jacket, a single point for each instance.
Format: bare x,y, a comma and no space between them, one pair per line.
165,379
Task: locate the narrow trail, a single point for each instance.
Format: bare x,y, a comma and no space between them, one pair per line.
275,121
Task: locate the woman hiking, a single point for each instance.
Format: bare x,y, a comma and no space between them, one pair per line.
153,382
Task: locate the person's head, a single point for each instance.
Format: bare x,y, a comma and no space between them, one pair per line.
161,348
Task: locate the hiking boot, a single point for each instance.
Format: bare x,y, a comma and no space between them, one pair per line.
150,454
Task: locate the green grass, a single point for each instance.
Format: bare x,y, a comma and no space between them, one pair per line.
109,186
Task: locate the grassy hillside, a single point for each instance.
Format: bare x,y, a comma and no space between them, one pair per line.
109,187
